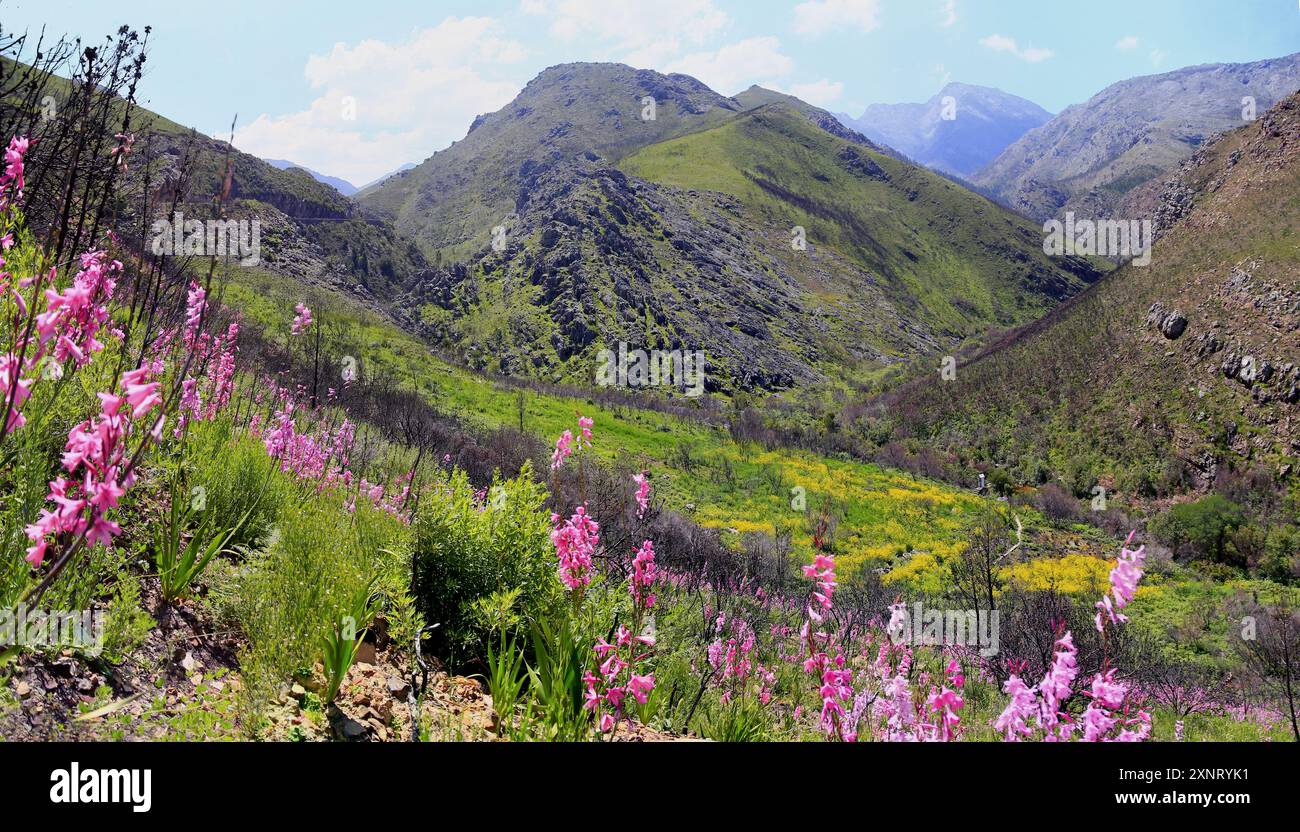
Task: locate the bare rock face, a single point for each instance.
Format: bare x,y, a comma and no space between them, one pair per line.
1174,203
861,164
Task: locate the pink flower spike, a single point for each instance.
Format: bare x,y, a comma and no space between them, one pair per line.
642,481
302,320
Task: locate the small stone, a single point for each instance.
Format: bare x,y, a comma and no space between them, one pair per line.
297,692
366,653
399,688
352,730
23,690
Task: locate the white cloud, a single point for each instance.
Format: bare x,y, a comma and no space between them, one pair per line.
735,66
1158,56
410,99
633,31
999,43
818,17
949,13
823,93
1128,42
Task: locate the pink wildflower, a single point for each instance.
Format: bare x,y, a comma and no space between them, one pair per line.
302,320
1123,585
575,542
643,576
13,167
563,450
97,450
642,493
822,571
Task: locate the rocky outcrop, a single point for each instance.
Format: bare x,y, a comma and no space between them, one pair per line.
860,164
1170,322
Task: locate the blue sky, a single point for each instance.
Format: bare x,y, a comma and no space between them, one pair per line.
356,89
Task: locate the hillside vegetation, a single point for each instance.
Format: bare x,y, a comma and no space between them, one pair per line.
1158,377
724,229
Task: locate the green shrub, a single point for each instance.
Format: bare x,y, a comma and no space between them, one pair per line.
127,624
187,538
561,654
1202,527
344,638
1281,561
463,551
742,721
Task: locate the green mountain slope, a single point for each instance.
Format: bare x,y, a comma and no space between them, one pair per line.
1157,378
451,202
310,231
949,259
756,96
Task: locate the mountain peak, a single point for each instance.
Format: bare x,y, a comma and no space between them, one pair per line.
589,111
958,141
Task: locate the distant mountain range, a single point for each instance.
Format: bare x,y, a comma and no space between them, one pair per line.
958,131
1095,158
341,185
374,182
578,217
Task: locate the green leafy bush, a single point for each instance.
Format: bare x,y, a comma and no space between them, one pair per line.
127,624
1281,561
464,549
1201,528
